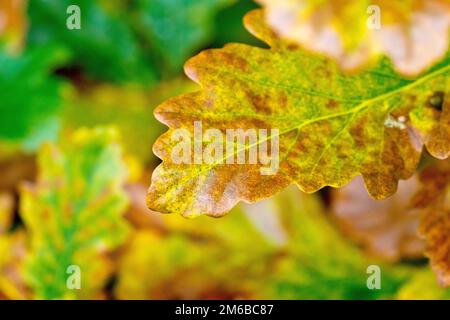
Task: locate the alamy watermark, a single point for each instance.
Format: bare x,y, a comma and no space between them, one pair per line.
234,146
374,20
73,281
73,21
374,280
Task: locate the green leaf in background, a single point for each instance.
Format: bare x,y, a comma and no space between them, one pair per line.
105,46
73,214
177,28
29,95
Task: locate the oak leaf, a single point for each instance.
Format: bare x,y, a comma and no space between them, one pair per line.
434,202
414,34
73,213
385,228
330,126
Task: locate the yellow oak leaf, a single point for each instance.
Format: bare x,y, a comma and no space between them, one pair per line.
413,33
323,127
73,215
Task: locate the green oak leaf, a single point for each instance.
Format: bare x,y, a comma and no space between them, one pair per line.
73,214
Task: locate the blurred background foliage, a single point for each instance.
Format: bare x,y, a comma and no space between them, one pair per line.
76,131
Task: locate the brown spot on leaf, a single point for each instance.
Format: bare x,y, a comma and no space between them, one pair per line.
357,132
282,100
260,102
233,60
332,104
292,46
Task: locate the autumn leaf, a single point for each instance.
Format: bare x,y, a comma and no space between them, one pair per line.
414,34
385,228
433,202
328,126
73,214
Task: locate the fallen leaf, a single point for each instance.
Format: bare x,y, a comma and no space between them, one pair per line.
73,214
434,202
329,126
387,229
